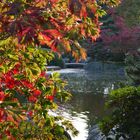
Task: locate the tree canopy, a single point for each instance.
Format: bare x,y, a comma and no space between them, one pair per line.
55,23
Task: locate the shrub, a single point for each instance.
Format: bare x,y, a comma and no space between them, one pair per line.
124,120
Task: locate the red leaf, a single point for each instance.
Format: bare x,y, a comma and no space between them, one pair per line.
83,12
44,39
27,84
30,113
25,31
2,114
50,97
55,33
32,99
36,93
53,46
2,96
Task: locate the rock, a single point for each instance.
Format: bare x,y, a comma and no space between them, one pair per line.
67,135
52,68
95,134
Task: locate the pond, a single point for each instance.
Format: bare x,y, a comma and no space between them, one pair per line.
89,88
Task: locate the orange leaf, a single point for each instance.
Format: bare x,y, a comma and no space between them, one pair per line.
83,12
53,32
44,39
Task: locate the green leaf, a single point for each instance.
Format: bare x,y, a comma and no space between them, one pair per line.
101,12
12,56
19,76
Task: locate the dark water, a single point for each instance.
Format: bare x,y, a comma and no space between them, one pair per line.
89,88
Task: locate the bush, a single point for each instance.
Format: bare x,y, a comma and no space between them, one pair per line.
57,61
124,121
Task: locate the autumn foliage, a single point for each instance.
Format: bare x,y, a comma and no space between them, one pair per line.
124,38
26,93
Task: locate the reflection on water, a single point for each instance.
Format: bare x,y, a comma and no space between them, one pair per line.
89,88
83,111
78,119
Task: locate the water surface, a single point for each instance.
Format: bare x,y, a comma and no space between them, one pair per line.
89,88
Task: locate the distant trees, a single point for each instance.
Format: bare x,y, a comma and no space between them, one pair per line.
120,32
124,120
118,36
130,11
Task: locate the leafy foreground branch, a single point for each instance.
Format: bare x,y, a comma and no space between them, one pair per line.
27,95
